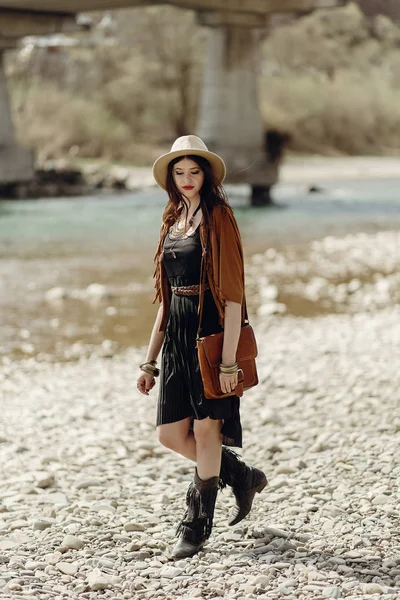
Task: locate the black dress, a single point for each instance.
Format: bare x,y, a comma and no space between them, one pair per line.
181,388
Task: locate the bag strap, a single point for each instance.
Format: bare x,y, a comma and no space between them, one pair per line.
203,275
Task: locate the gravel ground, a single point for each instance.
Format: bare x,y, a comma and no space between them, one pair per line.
89,500
353,273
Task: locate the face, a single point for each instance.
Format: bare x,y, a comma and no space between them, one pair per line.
188,178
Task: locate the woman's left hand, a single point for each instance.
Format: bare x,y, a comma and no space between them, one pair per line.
228,383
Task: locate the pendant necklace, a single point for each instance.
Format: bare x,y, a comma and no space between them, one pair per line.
179,233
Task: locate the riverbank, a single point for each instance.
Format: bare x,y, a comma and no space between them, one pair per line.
309,169
294,170
93,296
63,179
82,460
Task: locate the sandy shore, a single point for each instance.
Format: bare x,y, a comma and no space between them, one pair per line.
89,500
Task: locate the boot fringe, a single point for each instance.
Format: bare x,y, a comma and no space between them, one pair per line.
196,525
188,532
230,463
199,533
192,513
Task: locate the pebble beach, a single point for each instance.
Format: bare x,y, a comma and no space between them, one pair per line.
89,500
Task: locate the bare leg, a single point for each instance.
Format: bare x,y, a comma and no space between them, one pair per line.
207,434
178,437
204,446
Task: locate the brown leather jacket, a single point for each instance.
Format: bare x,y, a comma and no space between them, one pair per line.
222,259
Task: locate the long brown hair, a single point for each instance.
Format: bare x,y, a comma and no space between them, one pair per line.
211,194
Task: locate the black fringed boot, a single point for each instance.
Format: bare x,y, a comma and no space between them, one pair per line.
245,483
196,526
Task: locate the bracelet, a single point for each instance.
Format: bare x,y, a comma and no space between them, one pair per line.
146,368
150,368
229,369
152,363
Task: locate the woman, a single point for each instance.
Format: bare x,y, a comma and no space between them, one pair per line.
198,233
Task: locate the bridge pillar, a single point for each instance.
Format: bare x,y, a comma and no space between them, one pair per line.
16,164
230,119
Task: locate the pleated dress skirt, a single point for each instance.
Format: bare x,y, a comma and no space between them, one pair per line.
181,393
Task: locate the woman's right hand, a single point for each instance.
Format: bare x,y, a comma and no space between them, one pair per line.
145,383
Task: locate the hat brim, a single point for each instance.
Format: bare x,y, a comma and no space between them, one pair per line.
160,167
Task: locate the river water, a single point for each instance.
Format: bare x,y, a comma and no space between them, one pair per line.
52,251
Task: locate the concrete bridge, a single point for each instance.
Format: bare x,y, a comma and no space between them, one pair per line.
229,121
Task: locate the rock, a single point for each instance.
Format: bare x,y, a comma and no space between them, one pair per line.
57,498
269,416
271,308
56,294
284,589
262,581
7,544
381,499
350,585
285,469
133,547
219,566
291,583
19,524
275,532
45,480
372,588
247,589
41,524
331,592
134,527
97,290
13,586
72,542
196,593
108,348
104,507
52,558
68,568
85,483
97,580
170,572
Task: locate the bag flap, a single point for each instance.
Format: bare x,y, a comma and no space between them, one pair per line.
212,346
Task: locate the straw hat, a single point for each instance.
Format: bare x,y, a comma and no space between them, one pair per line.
184,146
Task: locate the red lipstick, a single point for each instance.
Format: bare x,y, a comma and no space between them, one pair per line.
188,187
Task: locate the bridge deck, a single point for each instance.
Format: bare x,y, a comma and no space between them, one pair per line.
249,6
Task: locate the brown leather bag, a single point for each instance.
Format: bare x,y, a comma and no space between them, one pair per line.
209,350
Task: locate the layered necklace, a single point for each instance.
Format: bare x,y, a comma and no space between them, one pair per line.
178,230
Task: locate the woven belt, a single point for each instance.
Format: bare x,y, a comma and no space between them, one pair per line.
188,290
